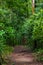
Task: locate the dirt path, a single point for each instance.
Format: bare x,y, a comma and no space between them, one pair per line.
21,57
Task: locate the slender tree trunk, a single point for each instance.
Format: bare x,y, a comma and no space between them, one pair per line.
33,6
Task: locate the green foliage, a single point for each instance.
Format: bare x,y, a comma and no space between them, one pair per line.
12,15
18,25
32,30
38,29
2,42
39,5
27,29
39,55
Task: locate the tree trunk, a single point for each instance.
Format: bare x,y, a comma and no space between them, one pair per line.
33,6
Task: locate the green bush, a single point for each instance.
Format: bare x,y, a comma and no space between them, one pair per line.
10,35
27,29
39,55
32,30
2,45
38,30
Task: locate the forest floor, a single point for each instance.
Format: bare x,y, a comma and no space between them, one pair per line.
21,56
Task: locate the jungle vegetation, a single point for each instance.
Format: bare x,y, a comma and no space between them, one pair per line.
19,26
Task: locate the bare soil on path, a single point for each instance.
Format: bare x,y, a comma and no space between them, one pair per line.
21,57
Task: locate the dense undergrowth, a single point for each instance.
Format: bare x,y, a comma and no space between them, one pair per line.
18,26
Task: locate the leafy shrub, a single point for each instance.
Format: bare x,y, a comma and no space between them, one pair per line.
27,29
10,35
38,30
32,30
39,55
2,45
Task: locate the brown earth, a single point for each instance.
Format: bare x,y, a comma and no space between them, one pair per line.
21,56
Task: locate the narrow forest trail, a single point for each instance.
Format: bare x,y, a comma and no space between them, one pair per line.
20,56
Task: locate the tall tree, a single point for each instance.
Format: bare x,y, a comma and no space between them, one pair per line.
33,6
